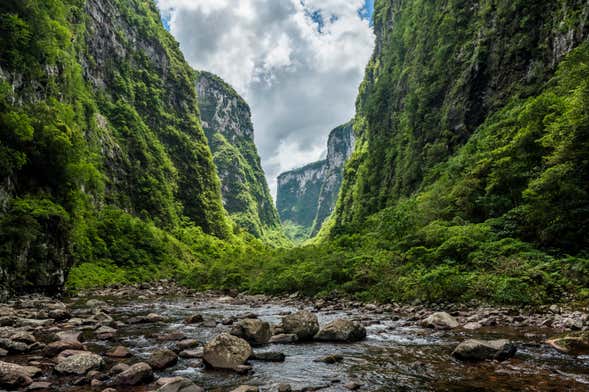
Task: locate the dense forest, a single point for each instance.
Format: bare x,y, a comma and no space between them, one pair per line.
468,180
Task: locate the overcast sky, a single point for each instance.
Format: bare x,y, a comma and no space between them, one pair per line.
298,63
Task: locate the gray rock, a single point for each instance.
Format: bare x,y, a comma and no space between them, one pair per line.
440,320
342,330
180,386
13,375
253,330
226,352
304,324
54,348
268,356
79,363
480,350
162,359
137,374
284,338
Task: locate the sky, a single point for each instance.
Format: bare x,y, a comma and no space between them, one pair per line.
298,63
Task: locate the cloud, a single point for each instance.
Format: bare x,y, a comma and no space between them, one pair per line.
298,63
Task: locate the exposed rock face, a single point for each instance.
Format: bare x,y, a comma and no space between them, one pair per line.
307,196
226,119
226,352
131,134
479,350
342,330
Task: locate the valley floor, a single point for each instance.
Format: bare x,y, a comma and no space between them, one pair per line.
404,349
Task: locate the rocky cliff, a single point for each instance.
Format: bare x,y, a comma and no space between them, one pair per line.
306,196
226,120
101,143
457,111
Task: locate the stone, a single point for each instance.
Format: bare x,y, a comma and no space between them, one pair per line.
96,303
226,351
69,336
480,350
268,356
13,375
304,324
162,359
246,388
194,319
342,330
573,344
440,320
13,347
472,325
59,314
119,368
284,338
79,363
330,359
197,353
353,386
181,385
119,352
23,337
54,348
136,374
39,386
284,388
255,331
105,332
187,343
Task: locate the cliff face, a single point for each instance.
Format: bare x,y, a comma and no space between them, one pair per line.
306,196
100,126
445,85
226,120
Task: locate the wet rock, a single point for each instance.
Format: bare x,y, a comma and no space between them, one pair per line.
284,338
39,386
101,318
119,352
59,314
79,363
180,385
105,332
268,356
162,359
69,336
35,323
472,325
253,330
304,324
194,319
242,369
342,330
440,320
353,386
187,343
13,347
172,336
150,318
96,303
54,348
226,351
479,350
573,345
119,368
246,388
284,388
109,390
23,337
13,375
197,353
137,374
3,352
330,359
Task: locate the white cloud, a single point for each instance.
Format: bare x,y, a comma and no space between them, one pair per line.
299,73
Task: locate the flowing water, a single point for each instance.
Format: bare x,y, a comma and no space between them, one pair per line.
395,356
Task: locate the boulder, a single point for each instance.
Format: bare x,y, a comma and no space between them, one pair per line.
196,353
54,348
194,319
180,385
79,363
187,343
480,350
440,320
284,338
226,351
253,330
572,344
342,330
13,375
304,324
162,359
137,374
13,347
23,337
119,352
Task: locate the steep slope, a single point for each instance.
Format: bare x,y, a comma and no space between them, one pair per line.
101,141
306,196
428,90
226,120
